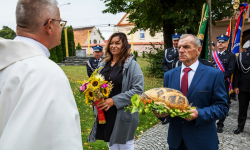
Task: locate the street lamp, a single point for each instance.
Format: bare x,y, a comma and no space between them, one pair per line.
64,4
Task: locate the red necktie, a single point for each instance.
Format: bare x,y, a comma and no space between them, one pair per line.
184,81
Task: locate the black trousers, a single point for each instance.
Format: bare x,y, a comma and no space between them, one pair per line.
244,98
181,147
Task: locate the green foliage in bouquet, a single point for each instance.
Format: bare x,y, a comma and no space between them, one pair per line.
149,106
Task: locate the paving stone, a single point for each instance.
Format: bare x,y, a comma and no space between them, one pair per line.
156,137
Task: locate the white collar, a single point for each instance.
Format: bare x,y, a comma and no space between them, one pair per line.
194,66
221,52
34,43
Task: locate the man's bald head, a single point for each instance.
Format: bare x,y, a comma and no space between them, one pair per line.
32,14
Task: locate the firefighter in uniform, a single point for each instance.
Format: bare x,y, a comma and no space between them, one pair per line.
227,59
171,55
170,60
92,63
241,84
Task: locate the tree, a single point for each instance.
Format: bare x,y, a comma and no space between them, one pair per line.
7,33
70,36
71,41
59,53
154,59
53,56
78,46
167,15
100,34
63,43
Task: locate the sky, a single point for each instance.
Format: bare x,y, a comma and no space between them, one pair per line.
80,13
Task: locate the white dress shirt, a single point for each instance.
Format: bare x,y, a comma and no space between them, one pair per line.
34,43
191,73
220,52
175,50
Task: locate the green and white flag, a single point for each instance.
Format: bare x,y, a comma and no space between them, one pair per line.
203,31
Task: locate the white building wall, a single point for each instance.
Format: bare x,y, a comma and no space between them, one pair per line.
94,35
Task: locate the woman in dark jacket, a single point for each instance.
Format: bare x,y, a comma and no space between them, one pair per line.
126,75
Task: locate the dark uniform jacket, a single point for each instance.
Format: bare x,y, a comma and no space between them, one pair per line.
241,78
91,65
170,59
228,61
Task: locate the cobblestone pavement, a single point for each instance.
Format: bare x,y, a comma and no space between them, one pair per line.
156,137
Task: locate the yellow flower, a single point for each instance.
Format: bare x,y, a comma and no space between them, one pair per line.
99,77
106,92
95,83
89,95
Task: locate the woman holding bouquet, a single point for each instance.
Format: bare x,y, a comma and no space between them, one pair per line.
127,78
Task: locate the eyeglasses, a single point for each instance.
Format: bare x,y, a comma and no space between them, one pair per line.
62,22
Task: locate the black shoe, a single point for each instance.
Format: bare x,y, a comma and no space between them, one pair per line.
165,121
219,129
238,130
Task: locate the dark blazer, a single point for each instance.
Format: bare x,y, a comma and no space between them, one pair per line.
172,56
206,92
241,80
93,62
228,61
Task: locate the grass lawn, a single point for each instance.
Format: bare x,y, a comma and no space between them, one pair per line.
78,73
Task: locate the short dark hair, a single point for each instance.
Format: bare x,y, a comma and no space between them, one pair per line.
33,14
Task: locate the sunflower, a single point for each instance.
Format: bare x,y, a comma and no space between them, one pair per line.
99,77
89,95
106,92
95,83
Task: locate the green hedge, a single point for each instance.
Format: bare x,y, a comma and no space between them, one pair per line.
57,54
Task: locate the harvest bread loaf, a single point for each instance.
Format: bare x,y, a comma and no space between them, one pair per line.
168,97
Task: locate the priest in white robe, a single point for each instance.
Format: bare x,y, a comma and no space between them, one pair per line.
37,106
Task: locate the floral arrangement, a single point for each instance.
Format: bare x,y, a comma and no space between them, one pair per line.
96,89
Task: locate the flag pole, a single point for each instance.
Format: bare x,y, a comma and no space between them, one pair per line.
210,28
244,16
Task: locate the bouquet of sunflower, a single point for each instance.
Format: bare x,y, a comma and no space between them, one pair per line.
96,89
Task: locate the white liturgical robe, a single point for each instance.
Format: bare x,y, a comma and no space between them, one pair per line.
37,106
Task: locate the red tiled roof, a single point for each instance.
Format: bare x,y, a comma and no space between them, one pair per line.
81,34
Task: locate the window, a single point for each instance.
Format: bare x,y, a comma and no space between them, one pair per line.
142,34
95,41
99,41
89,41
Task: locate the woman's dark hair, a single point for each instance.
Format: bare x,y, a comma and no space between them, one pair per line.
125,50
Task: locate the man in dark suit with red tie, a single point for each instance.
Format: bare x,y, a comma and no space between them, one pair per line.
204,87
